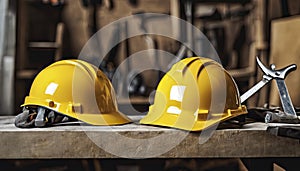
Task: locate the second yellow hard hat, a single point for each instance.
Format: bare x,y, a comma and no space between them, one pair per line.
195,94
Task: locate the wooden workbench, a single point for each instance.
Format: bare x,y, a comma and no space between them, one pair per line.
138,141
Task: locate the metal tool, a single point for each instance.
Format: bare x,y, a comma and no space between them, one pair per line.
266,78
279,76
285,131
289,114
283,91
281,117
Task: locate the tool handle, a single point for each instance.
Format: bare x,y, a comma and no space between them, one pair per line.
255,88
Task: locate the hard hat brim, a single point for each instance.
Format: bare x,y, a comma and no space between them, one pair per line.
174,120
111,118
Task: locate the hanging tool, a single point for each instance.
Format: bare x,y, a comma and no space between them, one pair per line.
109,63
135,81
188,9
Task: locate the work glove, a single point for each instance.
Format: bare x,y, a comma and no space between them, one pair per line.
39,117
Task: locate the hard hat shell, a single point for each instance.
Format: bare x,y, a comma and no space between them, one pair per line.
77,89
195,94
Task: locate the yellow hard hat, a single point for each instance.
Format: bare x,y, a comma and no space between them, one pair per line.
195,94
77,89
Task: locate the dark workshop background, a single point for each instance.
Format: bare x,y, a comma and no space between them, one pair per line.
36,33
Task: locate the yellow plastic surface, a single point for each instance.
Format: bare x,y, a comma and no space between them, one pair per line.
77,89
195,94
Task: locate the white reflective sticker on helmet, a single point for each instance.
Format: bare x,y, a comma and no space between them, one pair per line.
174,110
196,114
51,88
177,92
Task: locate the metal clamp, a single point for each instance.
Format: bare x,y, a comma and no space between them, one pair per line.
279,75
276,74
